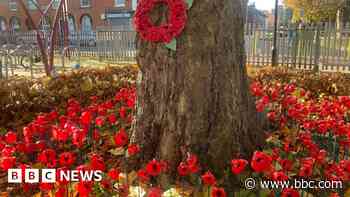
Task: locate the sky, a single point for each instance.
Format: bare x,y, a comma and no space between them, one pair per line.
264,4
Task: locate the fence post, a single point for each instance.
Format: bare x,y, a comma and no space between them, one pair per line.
317,49
79,42
295,47
31,67
0,67
6,67
98,45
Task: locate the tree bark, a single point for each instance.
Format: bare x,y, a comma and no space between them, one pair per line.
197,99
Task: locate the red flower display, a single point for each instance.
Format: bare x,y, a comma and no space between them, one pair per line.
97,162
177,18
11,137
67,159
261,161
114,174
154,192
133,149
84,188
208,178
290,193
121,138
48,158
183,169
143,175
7,163
154,168
238,165
218,192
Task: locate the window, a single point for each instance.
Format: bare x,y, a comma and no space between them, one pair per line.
86,23
71,24
85,3
32,4
15,24
2,24
119,3
55,4
13,5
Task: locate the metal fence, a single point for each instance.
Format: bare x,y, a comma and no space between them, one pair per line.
105,45
324,47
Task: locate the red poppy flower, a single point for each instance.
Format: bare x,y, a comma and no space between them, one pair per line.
285,164
279,176
7,162
271,116
345,164
133,149
124,190
256,89
106,185
97,162
261,161
192,162
183,169
288,192
53,115
289,88
218,192
130,102
86,118
40,145
96,135
334,195
46,186
143,175
27,133
48,156
114,174
78,138
153,168
122,112
11,137
84,188
99,121
8,151
112,119
121,138
209,179
238,165
61,192
60,134
67,159
305,171
154,192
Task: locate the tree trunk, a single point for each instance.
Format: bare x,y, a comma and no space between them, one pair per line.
197,98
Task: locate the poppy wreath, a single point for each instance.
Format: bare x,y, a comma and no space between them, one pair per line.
165,33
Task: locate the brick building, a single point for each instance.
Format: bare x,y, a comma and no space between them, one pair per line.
84,15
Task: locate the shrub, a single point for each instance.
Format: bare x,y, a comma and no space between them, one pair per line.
22,99
337,84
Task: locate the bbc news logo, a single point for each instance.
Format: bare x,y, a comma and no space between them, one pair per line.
50,175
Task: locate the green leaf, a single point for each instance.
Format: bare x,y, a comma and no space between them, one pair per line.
171,45
189,4
117,151
278,166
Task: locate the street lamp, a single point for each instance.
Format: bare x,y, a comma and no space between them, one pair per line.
274,49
